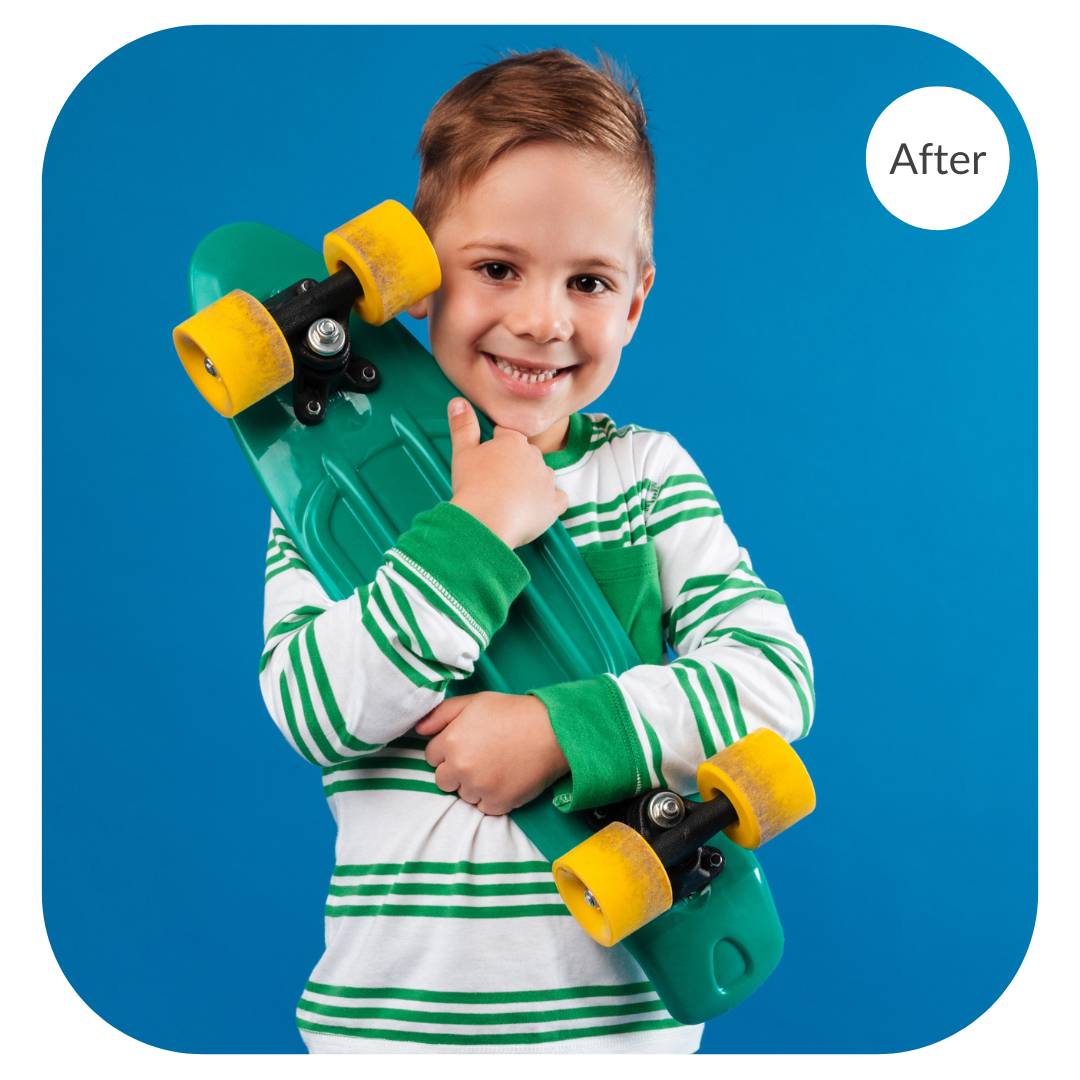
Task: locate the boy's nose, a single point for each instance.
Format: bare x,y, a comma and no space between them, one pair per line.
540,315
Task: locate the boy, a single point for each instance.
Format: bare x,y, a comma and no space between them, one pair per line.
444,931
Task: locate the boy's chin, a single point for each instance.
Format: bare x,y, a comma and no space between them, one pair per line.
523,420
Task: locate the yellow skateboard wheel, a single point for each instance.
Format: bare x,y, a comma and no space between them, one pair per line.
234,352
766,782
388,250
621,873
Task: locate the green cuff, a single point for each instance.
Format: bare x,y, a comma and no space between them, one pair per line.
450,554
594,729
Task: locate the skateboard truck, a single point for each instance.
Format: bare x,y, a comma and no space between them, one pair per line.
675,828
238,351
313,317
649,851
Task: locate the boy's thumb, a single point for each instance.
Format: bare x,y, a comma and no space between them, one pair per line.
442,714
464,427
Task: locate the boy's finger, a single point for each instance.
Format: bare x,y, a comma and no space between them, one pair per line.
468,795
464,427
445,778
442,714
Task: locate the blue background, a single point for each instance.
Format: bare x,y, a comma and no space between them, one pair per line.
860,393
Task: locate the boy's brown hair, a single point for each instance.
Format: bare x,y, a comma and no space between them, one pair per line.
546,96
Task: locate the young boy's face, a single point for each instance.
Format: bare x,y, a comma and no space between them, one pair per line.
542,286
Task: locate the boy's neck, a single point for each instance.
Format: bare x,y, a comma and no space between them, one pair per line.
553,438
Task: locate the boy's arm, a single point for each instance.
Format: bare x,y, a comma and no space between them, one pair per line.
740,663
740,666
343,679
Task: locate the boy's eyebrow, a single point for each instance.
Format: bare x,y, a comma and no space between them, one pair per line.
493,245
604,261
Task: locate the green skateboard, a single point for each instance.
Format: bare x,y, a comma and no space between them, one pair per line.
346,465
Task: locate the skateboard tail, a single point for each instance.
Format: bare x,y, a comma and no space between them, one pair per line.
703,983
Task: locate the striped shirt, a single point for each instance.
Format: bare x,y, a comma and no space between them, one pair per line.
444,930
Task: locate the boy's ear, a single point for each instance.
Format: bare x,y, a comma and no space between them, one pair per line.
645,283
419,310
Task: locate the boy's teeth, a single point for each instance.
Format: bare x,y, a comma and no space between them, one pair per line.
523,374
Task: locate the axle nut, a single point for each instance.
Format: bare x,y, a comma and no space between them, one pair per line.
326,336
666,809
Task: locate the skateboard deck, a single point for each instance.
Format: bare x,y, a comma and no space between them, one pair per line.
346,489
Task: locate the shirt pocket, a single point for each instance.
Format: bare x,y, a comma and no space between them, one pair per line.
629,578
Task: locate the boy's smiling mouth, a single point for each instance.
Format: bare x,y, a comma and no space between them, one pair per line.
525,374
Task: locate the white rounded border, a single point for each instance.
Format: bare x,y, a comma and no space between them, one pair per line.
552,12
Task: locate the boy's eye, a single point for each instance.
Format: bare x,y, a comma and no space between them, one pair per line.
586,283
497,271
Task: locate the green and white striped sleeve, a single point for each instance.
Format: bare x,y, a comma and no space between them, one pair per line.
343,679
740,664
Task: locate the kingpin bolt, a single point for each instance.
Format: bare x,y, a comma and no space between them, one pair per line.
210,367
666,809
326,336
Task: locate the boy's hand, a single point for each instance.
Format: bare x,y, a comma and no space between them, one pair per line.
504,482
497,751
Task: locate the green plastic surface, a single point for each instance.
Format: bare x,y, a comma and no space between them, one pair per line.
345,490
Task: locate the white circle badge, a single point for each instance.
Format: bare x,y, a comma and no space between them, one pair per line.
937,158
